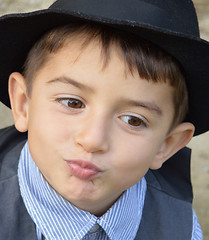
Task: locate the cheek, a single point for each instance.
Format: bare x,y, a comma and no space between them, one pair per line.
47,124
44,135
135,156
139,149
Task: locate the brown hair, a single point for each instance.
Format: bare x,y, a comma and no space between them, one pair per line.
151,62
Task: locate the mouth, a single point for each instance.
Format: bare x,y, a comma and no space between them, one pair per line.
83,169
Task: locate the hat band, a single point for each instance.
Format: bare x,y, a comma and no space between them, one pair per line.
133,12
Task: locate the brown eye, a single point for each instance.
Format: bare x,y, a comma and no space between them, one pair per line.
134,122
74,103
71,103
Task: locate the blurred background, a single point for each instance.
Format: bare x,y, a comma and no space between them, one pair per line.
199,144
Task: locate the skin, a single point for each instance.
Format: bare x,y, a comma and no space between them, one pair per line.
79,110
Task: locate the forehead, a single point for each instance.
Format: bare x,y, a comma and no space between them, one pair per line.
135,53
85,70
80,50
85,46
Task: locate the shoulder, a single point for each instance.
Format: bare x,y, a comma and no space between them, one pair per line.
168,203
15,221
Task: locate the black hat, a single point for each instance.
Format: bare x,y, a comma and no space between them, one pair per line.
172,25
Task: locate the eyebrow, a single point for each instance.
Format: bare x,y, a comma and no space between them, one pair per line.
151,106
70,81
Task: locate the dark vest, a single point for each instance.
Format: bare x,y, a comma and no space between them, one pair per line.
167,213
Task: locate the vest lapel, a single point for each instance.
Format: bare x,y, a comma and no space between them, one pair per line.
164,217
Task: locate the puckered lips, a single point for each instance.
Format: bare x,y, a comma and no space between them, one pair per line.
83,169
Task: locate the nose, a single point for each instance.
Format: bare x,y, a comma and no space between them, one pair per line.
93,134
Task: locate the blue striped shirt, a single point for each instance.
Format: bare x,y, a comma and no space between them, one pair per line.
55,218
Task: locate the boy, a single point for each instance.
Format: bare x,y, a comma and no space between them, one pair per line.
105,93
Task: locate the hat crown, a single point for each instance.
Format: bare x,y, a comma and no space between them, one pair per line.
170,15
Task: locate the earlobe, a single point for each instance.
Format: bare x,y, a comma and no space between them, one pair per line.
19,101
175,140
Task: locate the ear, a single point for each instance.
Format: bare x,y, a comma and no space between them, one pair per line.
19,101
175,140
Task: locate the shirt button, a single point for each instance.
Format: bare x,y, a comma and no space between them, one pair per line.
94,228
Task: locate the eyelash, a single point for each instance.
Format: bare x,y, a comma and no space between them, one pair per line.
66,101
125,118
141,122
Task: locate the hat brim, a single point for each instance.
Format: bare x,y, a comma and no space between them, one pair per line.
20,31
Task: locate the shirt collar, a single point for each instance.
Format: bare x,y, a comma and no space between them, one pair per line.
58,219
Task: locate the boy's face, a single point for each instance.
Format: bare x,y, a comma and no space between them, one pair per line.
93,131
